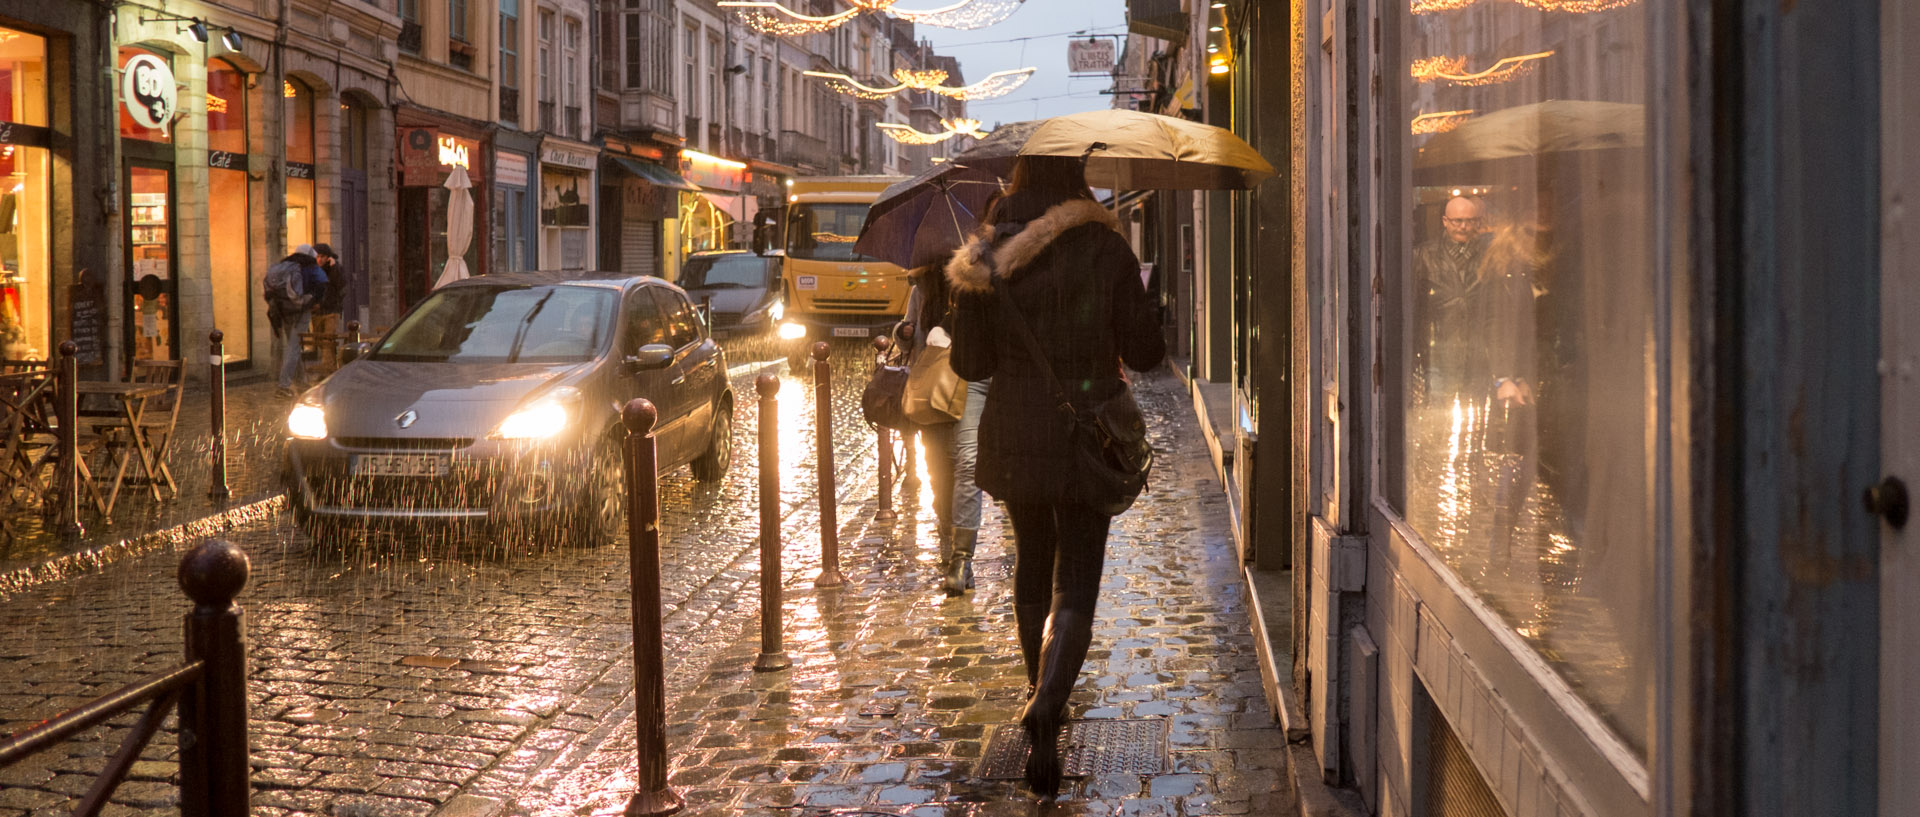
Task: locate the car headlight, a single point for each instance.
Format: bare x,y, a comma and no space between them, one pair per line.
307,421
792,331
539,420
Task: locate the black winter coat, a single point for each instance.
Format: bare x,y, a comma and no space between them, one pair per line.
1077,284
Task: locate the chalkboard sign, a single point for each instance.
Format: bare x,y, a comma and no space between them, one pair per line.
89,320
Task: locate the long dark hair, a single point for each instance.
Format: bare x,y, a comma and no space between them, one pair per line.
1039,183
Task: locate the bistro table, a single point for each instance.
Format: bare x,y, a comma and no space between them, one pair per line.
130,400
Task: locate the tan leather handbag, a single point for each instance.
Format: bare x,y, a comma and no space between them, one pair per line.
934,393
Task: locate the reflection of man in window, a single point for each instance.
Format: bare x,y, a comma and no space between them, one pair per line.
1447,278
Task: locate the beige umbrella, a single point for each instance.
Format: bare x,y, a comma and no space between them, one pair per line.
1537,129
1129,150
459,226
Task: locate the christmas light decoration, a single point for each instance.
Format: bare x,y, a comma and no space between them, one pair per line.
1439,122
999,83
773,18
1454,69
907,135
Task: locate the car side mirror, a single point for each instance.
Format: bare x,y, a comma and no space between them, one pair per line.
650,356
350,352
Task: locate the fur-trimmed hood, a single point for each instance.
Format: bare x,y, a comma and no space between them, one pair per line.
971,270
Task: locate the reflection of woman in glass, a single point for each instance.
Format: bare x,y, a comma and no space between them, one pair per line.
1505,312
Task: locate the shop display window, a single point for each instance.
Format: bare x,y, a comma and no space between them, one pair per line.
25,229
1525,386
228,205
298,119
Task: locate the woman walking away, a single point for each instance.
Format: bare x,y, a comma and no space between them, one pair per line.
1048,261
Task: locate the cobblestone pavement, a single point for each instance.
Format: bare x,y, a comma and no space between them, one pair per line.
437,677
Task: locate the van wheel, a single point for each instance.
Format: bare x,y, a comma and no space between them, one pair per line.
713,464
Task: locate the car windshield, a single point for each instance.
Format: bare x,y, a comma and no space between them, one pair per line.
725,271
503,324
825,232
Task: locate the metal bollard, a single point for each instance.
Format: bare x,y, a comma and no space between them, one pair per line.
823,447
884,444
67,395
215,778
217,385
773,655
651,797
352,352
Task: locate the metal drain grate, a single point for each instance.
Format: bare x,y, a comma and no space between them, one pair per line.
1090,747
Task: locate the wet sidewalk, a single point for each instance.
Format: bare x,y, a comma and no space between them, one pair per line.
903,701
36,552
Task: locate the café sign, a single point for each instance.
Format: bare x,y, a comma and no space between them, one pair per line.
148,92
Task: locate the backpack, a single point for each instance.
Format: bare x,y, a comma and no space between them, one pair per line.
286,284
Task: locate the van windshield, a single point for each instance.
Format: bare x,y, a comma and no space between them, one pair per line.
825,232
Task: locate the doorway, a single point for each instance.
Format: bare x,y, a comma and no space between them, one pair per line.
150,333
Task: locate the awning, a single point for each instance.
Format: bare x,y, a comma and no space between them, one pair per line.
655,174
739,207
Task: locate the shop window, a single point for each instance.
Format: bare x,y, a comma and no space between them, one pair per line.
1525,384
298,99
510,61
25,229
228,191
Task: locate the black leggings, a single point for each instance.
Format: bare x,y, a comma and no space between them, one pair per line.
1060,551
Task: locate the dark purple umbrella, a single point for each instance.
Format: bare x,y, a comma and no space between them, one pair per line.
919,221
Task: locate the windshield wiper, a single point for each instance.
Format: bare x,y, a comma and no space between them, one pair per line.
520,335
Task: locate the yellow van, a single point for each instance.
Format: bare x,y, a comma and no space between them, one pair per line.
832,291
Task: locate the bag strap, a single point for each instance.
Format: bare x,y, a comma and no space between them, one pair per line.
1019,322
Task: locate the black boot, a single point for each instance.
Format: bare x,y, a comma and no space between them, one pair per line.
1031,622
1062,652
960,561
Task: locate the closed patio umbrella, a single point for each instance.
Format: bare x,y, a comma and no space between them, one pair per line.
459,226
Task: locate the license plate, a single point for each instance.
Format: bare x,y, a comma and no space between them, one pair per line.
401,465
849,332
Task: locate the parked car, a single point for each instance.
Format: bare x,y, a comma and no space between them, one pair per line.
496,401
741,290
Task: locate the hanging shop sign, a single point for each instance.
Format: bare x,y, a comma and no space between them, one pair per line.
1090,56
148,92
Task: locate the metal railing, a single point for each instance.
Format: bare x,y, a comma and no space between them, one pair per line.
210,690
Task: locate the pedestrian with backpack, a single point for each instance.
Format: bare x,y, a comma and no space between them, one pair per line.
294,285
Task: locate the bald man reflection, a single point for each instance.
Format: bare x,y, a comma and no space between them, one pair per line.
1447,280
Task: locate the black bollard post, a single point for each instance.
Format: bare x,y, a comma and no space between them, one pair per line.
214,746
651,797
67,413
823,447
884,444
217,386
773,655
352,352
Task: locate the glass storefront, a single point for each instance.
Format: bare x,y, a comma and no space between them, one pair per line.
228,205
566,199
25,231
147,141
1526,389
298,120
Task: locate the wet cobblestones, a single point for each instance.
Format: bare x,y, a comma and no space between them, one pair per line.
439,677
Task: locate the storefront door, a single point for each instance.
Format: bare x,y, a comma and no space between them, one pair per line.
1900,411
151,333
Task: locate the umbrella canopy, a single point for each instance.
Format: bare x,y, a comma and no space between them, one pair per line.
459,225
919,221
1130,151
1556,126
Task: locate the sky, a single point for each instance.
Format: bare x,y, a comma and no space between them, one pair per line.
1034,36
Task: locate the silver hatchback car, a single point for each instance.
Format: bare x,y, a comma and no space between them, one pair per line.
496,401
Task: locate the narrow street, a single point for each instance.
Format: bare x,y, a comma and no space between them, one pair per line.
426,676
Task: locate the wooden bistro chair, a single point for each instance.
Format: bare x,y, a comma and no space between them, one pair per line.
162,416
144,440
